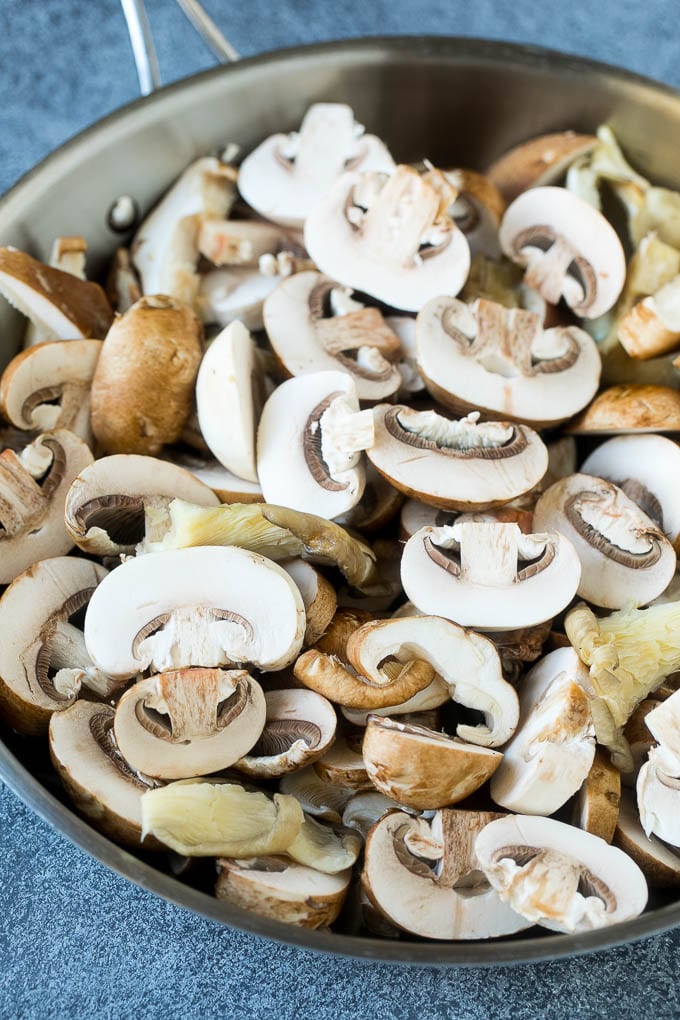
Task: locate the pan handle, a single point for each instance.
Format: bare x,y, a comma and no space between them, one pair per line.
144,51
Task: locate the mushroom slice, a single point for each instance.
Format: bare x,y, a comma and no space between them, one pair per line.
630,408
501,360
43,659
33,487
344,623
569,249
658,795
48,387
143,384
467,662
552,752
106,503
422,768
416,515
328,849
122,285
326,675
558,876
597,806
309,444
390,236
189,722
226,485
343,765
420,709
645,467
101,784
455,465
489,575
229,397
663,722
195,607
318,596
541,160
299,729
317,797
624,556
60,305
165,248
652,326
235,294
477,210
68,254
365,808
425,877
287,175
217,818
659,865
277,888
233,242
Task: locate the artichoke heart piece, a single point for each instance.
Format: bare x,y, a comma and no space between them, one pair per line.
324,848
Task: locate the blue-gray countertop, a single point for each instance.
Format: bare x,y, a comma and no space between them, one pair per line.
76,940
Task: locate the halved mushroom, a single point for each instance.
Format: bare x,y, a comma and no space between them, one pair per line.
68,254
389,236
165,248
299,729
330,677
278,888
658,795
287,175
143,384
234,294
61,306
318,596
226,486
647,469
455,465
659,865
490,575
558,876
309,444
48,387
425,877
597,806
486,357
343,765
630,408
570,249
33,488
106,503
541,160
317,797
422,768
624,556
314,324
552,752
43,659
195,607
101,784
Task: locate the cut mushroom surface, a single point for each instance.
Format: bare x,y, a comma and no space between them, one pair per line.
299,729
630,408
455,465
558,876
659,864
233,294
658,795
343,765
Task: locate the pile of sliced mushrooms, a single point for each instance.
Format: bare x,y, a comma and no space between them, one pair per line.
339,533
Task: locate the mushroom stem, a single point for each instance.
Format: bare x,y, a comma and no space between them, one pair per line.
345,431
70,657
21,498
488,552
546,274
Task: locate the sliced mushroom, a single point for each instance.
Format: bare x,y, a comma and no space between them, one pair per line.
226,486
663,722
287,175
389,236
195,607
487,357
165,248
61,306
317,797
624,555
123,288
299,729
342,626
326,675
68,254
318,596
597,805
652,326
282,890
658,863
237,293
477,210
541,160
343,765
309,444
101,784
365,808
106,503
421,709
570,249
630,408
455,465
490,575
425,878
235,242
143,384
558,876
658,795
43,659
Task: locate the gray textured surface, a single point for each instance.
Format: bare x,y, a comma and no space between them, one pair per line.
75,939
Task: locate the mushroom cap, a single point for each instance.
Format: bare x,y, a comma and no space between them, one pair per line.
208,606
343,765
422,768
328,676
299,729
229,394
541,160
400,250
624,556
143,384
105,505
365,808
451,901
658,796
658,863
570,249
501,360
47,386
455,465
318,596
647,469
477,210
558,876
489,576
285,176
630,408
598,802
97,778
226,485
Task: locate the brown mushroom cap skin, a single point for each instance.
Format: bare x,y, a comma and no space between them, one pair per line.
659,864
142,389
630,408
540,160
597,809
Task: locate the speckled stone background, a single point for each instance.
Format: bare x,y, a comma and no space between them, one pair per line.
76,940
